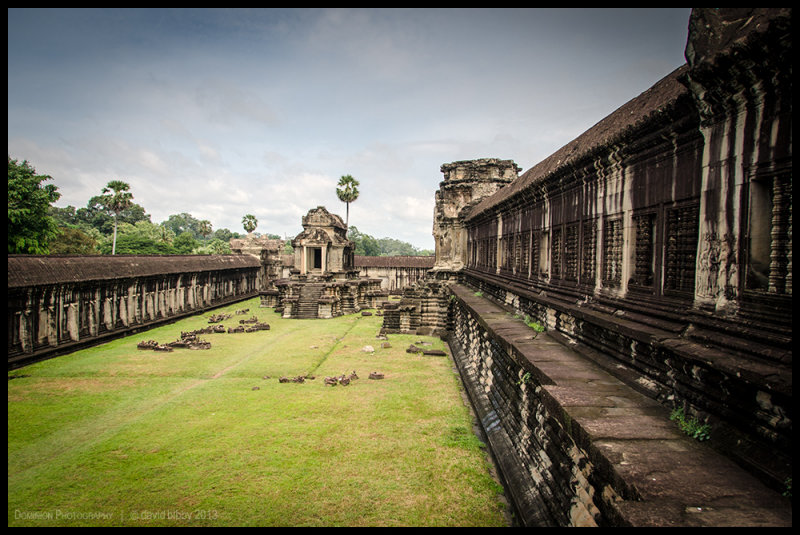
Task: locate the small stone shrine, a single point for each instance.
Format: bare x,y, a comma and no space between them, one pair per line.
324,283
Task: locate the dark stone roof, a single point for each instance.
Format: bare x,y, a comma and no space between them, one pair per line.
34,270
630,116
395,261
713,33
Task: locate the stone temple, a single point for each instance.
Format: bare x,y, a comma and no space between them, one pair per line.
324,282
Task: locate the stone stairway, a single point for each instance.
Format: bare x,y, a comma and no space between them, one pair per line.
308,302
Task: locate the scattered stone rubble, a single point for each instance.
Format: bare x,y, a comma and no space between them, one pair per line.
217,318
190,340
413,349
298,379
343,379
152,345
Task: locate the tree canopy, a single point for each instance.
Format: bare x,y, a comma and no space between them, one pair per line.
120,226
30,227
347,191
249,223
366,245
116,199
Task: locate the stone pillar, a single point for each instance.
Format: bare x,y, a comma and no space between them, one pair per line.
745,113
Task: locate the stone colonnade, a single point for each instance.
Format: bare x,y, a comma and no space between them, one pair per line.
60,303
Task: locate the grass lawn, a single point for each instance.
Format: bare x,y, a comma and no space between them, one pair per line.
118,436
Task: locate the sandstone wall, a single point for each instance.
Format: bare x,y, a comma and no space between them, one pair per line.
658,243
395,272
578,447
60,303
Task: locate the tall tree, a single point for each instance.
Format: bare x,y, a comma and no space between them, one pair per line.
249,222
205,228
347,191
96,215
116,198
30,228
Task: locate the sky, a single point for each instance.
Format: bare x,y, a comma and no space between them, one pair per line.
227,112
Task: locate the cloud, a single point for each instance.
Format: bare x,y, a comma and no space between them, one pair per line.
225,103
225,112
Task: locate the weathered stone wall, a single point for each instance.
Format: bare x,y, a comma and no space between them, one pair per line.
59,303
658,243
465,183
304,299
394,272
424,309
578,447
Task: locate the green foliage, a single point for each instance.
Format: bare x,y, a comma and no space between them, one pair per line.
95,215
691,427
140,244
71,240
536,326
214,246
205,228
116,198
112,223
30,228
142,238
787,492
367,245
347,191
185,243
525,379
183,222
249,222
530,322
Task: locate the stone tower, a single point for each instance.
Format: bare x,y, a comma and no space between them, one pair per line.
424,307
465,184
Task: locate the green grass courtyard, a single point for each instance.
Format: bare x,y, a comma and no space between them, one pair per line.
118,436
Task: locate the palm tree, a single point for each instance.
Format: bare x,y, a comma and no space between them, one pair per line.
205,228
347,192
249,222
116,198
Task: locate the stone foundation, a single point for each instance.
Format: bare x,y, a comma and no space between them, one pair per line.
305,299
577,447
422,310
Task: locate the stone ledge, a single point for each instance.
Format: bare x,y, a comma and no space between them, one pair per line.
746,397
664,477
